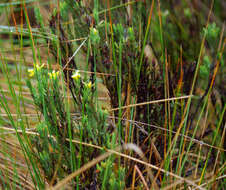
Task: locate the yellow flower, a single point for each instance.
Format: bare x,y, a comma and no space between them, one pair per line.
31,72
94,36
39,67
89,85
76,75
105,110
95,31
54,74
36,68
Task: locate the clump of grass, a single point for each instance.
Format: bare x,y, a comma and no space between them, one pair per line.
149,59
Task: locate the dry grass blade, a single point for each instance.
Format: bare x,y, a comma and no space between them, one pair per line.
141,176
152,102
212,180
173,185
136,149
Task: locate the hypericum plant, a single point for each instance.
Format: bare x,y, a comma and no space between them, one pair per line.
52,147
55,128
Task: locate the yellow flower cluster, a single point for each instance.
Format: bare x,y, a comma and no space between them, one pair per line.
32,71
39,67
95,31
88,85
53,75
76,75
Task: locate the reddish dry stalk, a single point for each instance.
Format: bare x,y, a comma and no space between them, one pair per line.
141,176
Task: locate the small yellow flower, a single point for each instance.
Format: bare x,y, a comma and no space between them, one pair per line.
95,31
76,75
31,72
89,84
94,36
105,110
39,67
53,75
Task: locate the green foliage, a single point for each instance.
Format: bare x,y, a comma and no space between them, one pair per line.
94,36
212,32
52,149
205,67
113,178
39,17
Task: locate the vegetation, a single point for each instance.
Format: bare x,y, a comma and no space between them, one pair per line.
109,94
